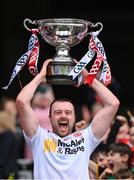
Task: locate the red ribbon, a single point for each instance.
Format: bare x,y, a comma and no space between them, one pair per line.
100,57
32,64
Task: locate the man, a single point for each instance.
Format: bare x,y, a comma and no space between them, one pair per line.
63,155
119,156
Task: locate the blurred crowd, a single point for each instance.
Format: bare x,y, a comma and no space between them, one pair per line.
112,159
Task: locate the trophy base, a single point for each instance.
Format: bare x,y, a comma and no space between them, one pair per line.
57,73
61,80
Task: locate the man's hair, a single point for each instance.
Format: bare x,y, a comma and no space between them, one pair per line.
60,100
100,149
122,149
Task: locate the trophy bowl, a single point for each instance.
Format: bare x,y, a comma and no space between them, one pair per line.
62,33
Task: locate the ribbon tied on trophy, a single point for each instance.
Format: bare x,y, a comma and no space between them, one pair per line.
64,33
31,55
95,46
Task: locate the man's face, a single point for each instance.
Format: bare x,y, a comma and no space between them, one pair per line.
62,118
102,160
116,161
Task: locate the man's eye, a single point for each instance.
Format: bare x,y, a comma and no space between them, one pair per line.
68,112
58,112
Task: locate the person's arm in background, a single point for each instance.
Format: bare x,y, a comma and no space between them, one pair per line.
103,119
113,131
106,174
80,125
23,102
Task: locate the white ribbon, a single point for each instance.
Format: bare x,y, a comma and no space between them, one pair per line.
105,74
81,64
23,60
86,58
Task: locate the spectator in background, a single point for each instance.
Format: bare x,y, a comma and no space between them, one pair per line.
43,97
131,145
131,117
99,156
118,157
123,132
116,134
87,114
8,146
8,105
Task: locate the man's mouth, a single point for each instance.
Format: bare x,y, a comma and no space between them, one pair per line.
63,125
111,165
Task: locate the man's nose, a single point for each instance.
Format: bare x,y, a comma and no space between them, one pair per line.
108,158
63,114
105,162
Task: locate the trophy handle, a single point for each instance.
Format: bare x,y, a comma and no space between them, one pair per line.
95,28
26,21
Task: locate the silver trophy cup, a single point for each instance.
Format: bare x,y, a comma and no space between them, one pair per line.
61,33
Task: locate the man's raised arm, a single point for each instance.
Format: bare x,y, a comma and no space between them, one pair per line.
23,102
103,119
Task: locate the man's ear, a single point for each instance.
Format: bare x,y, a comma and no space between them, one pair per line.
125,157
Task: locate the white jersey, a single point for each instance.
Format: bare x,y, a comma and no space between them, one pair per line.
66,158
